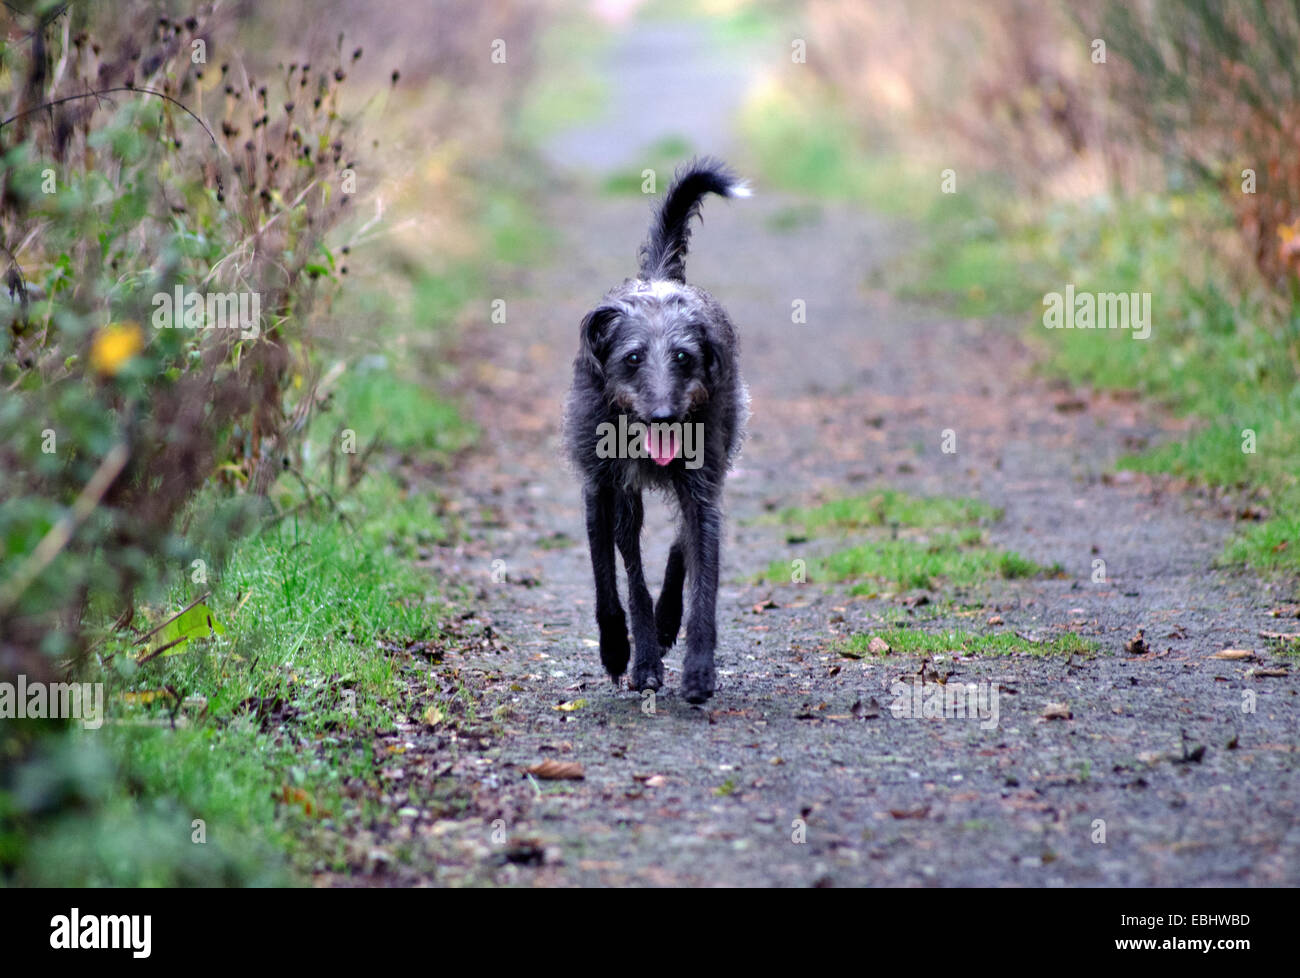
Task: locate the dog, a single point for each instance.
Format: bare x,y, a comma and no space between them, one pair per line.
657,402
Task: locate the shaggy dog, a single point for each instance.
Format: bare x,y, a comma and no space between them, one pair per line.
658,403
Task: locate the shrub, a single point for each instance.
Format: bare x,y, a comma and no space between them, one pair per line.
114,195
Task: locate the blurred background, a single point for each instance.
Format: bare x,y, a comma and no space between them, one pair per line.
220,529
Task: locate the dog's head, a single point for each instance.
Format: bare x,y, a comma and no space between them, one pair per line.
653,347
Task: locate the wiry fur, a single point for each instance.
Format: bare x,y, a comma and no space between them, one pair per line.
686,371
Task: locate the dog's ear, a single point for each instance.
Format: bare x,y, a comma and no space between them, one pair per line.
596,330
711,347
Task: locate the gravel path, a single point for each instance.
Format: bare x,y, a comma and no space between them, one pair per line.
797,772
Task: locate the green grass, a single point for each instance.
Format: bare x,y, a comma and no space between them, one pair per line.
911,641
989,274
566,89
318,618
741,23
126,800
664,157
952,552
375,400
515,232
946,558
888,507
803,139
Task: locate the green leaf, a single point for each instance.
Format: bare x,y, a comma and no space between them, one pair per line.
198,622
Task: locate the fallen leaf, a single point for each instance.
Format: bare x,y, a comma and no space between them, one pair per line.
921,812
557,771
1234,654
143,697
1137,644
1057,711
570,706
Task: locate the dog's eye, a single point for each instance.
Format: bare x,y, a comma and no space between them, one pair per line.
634,359
682,357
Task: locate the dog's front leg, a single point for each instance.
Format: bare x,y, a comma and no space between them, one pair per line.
647,665
614,649
668,609
703,539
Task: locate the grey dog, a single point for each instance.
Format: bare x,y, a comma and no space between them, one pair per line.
658,358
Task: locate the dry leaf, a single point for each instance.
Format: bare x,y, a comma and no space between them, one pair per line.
570,706
921,812
1234,654
1057,711
557,771
878,646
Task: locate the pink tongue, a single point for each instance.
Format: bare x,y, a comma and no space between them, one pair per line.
662,446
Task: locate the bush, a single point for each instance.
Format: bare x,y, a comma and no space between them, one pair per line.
124,212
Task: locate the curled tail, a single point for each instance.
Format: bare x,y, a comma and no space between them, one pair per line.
663,256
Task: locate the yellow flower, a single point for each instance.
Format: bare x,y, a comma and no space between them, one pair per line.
114,345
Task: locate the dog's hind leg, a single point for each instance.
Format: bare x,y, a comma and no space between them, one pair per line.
647,664
668,609
703,524
614,649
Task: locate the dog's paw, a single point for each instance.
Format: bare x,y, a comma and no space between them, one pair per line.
697,681
615,650
647,675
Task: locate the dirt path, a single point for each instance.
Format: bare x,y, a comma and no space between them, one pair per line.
799,738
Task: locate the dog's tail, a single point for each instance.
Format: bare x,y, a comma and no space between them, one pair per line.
664,253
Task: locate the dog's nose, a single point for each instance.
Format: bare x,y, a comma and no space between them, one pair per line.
662,417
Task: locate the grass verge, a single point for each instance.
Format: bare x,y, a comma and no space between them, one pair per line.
888,507
935,540
911,641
